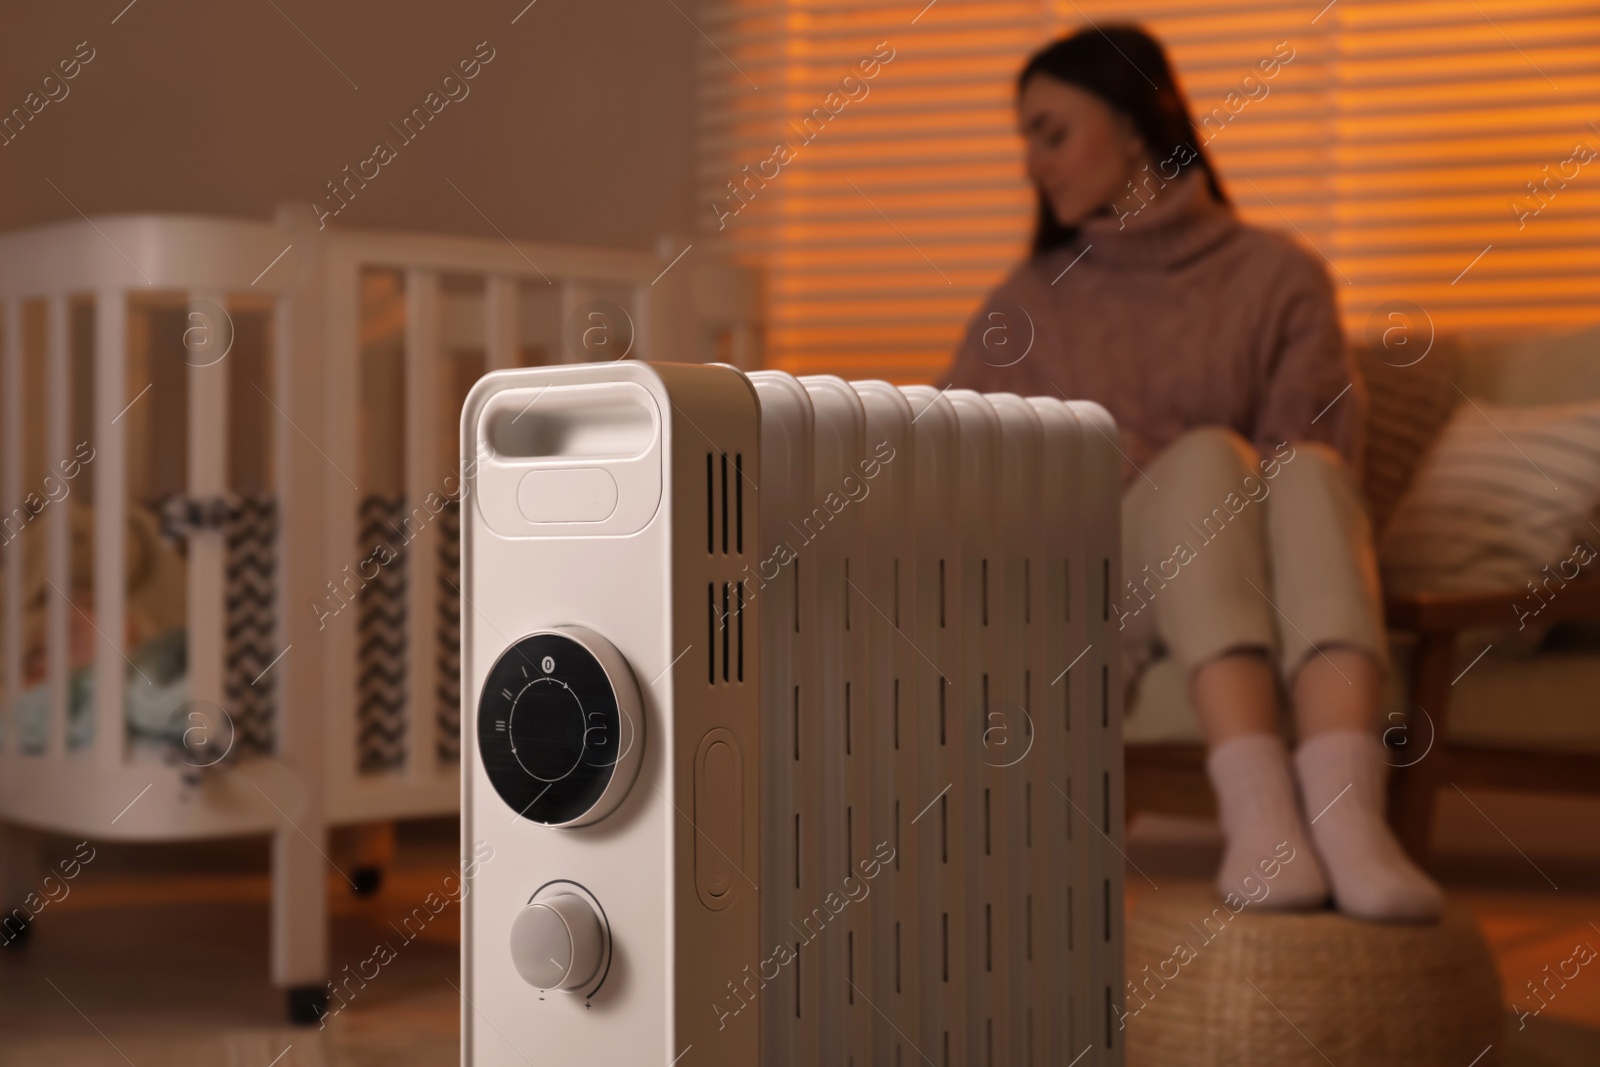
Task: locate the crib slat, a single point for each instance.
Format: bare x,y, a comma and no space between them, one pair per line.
743,345
10,524
425,474
110,516
336,303
208,480
503,325
58,525
574,294
643,309
314,334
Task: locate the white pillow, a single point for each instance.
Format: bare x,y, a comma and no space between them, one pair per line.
1506,497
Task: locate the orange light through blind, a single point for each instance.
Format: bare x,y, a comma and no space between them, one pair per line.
1396,142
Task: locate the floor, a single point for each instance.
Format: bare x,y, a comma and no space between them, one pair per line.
170,969
160,959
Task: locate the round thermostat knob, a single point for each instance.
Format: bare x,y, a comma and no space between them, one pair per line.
561,727
557,942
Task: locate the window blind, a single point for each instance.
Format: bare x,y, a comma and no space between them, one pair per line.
1444,153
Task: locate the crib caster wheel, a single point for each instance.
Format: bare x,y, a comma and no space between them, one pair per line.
307,1005
368,880
14,937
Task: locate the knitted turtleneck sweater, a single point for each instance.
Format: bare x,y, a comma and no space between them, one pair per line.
1172,317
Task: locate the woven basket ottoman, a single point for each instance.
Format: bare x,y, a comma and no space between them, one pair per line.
1208,986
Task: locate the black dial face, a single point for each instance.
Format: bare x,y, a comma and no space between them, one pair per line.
549,730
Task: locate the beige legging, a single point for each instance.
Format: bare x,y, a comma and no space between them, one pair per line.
1225,550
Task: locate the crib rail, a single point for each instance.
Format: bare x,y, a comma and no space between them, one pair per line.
357,713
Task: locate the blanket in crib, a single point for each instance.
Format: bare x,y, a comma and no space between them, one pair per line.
154,698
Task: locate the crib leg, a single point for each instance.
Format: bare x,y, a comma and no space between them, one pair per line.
21,875
300,920
374,852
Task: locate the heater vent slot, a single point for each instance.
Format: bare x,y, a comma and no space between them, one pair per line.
847,587
897,835
849,838
725,634
987,842
897,956
941,595
850,965
1105,800
724,503
944,827
849,723
896,713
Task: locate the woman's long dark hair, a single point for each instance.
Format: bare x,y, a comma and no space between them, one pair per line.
1128,69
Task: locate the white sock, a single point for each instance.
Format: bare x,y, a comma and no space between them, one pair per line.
1343,778
1268,860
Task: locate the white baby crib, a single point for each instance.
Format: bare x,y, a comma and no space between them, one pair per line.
229,540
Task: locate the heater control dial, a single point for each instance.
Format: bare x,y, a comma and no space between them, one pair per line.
561,727
558,942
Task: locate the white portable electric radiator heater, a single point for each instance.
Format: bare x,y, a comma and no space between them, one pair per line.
797,723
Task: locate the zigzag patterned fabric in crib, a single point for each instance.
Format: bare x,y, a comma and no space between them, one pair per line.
383,644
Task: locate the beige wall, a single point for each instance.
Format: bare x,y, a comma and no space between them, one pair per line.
577,131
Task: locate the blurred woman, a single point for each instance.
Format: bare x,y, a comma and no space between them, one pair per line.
1247,553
